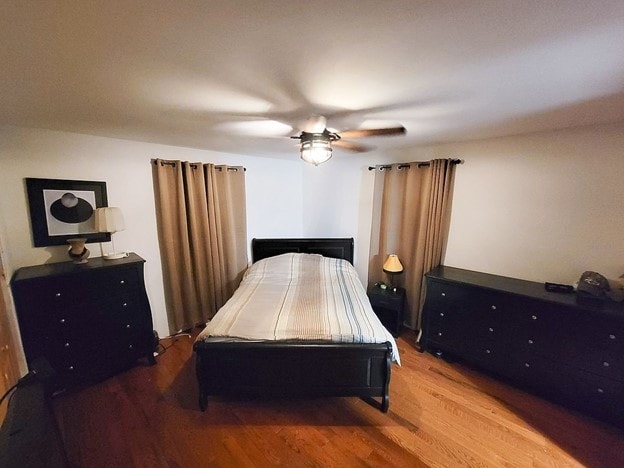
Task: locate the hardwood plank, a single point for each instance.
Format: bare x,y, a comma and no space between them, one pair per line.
440,414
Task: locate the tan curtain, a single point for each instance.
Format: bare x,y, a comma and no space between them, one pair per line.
10,353
202,231
411,214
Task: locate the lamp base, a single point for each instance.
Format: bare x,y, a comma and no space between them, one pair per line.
115,255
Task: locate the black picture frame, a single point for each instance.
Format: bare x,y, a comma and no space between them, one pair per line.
58,210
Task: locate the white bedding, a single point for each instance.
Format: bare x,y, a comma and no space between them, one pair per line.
299,297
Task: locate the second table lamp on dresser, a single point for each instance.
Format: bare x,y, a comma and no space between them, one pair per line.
110,219
393,266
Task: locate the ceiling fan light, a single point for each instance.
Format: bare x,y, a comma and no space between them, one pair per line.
316,150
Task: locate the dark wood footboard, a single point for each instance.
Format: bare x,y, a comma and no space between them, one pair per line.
294,369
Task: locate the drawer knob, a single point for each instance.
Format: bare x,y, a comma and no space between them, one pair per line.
130,347
441,314
67,344
605,364
491,329
612,337
439,333
58,294
122,282
533,317
493,307
127,325
530,341
444,294
526,364
62,321
71,368
125,304
600,390
487,351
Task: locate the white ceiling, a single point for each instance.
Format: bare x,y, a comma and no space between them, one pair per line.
222,75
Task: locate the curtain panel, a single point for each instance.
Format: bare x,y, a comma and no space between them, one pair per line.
411,215
12,356
202,233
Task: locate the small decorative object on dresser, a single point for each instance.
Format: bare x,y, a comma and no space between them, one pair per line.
388,305
89,321
544,341
78,252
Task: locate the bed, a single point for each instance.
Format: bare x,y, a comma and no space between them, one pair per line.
310,366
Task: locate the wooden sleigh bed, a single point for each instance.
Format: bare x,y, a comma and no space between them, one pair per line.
295,368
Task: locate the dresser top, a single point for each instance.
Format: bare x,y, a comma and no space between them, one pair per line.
68,268
520,287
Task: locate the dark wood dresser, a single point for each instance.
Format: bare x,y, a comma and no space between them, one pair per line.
546,342
88,321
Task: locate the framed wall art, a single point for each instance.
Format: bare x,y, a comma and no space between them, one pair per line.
63,209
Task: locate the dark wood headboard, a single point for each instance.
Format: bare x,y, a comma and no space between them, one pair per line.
328,247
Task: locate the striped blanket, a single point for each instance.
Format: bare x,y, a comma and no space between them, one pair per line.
299,297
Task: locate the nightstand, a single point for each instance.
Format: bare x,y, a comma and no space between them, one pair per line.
388,306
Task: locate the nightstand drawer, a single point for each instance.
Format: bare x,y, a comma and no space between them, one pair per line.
388,305
390,300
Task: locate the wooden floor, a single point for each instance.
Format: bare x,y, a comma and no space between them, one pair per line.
440,415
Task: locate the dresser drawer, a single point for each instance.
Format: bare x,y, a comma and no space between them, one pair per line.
447,338
64,346
594,331
600,396
447,296
80,370
600,362
490,356
604,334
114,281
41,296
127,311
131,343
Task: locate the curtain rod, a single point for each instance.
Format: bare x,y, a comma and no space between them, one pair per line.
407,165
164,162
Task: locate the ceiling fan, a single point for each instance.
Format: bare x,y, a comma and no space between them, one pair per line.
317,140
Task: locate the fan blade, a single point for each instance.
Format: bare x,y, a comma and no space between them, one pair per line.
369,132
260,128
348,145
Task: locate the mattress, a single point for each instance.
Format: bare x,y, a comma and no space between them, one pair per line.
299,297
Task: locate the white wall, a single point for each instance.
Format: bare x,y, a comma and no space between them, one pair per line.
274,194
337,200
543,207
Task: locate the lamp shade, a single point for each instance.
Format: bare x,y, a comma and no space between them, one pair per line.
392,264
316,150
109,219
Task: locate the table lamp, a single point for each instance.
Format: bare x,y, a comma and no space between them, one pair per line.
392,266
110,219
